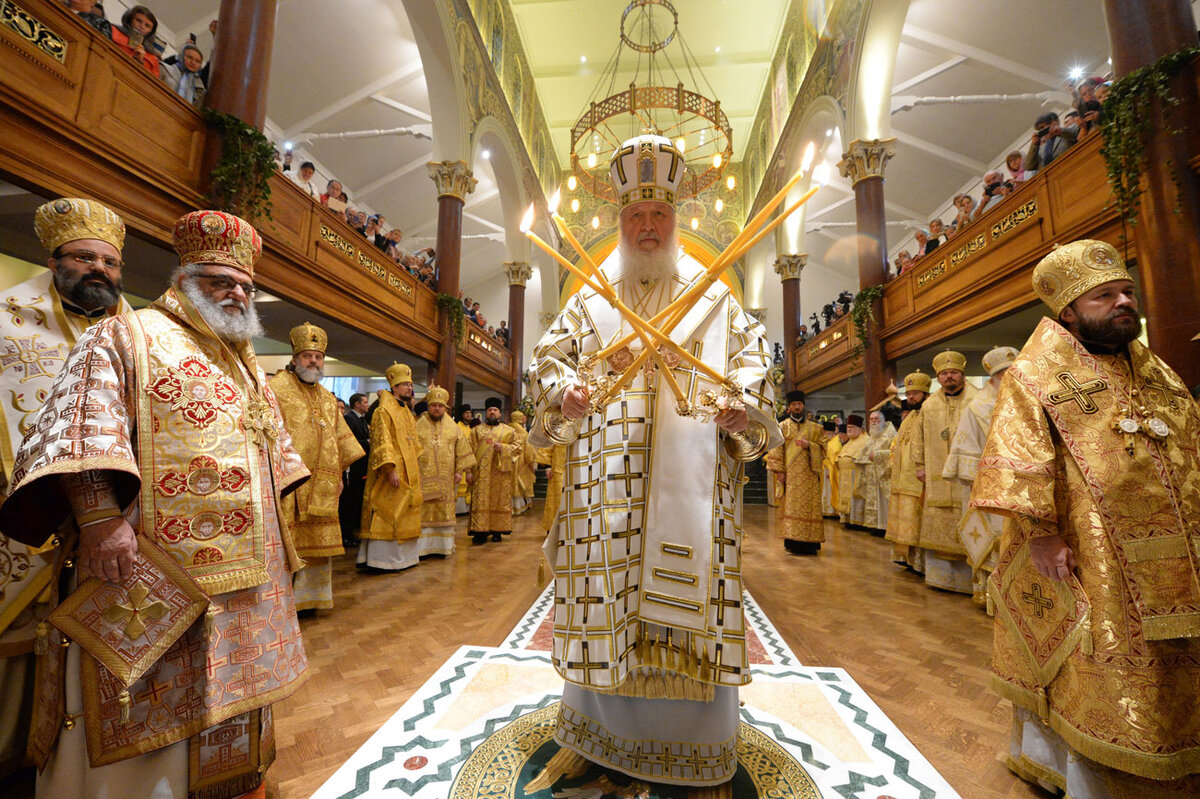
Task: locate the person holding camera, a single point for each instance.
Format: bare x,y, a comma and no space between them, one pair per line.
1050,140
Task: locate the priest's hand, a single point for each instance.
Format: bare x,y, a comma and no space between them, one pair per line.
470,478
921,475
393,478
1052,557
733,420
802,443
575,401
106,549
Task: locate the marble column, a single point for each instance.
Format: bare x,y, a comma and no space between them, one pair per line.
1168,230
863,163
789,267
454,182
518,273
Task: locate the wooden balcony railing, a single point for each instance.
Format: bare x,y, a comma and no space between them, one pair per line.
81,118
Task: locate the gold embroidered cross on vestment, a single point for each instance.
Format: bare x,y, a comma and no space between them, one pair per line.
1073,390
137,608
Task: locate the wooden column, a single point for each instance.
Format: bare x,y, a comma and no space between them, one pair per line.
454,182
789,267
863,163
1168,230
518,273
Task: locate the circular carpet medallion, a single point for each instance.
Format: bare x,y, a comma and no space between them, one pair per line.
514,755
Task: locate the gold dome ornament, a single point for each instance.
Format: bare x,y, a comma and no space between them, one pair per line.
308,338
1070,270
71,219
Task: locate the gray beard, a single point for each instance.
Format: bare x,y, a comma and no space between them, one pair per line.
309,375
656,265
85,295
233,329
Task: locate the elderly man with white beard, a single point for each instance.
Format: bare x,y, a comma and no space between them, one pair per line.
159,460
648,627
328,447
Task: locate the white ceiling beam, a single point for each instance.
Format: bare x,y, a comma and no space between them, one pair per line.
396,174
945,154
918,36
406,73
401,107
932,72
828,209
486,223
888,204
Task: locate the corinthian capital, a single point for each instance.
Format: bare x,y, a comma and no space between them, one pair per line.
789,267
866,159
518,272
452,178
545,319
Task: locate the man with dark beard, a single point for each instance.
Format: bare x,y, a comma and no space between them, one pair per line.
796,464
496,450
158,460
1092,459
46,314
907,492
327,446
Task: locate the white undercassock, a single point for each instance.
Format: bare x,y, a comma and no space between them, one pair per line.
648,627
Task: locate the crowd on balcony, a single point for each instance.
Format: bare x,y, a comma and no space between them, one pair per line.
472,312
1052,136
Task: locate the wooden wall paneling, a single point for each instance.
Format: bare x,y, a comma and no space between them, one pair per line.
292,218
45,69
425,312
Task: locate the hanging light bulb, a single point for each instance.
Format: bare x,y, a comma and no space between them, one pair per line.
730,182
717,161
574,206
591,160
719,205
681,144
572,183
695,223
595,223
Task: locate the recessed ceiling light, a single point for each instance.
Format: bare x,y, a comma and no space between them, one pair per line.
718,49
486,153
829,132
582,59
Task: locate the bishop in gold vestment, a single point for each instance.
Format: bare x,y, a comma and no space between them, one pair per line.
391,528
44,317
328,447
445,457
872,465
796,465
496,451
161,429
907,492
850,505
946,564
830,496
1092,457
526,461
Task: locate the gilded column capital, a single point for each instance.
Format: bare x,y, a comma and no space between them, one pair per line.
866,159
546,318
518,272
789,267
452,178
758,313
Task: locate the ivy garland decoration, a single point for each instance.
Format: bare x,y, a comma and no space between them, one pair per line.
240,180
1126,117
453,308
861,315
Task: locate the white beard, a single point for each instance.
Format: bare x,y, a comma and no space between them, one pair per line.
228,328
309,375
658,264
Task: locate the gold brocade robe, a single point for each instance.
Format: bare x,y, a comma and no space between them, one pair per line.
189,432
847,476
798,517
327,446
445,452
871,476
556,458
907,492
392,514
830,491
978,530
1110,658
495,472
944,499
526,460
464,488
36,332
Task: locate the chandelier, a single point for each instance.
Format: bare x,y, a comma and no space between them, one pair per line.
656,100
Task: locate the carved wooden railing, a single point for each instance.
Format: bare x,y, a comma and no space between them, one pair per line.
984,272
82,118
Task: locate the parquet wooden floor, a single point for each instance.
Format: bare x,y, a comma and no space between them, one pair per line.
921,654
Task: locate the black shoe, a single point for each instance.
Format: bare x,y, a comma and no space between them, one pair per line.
479,539
306,613
801,547
495,536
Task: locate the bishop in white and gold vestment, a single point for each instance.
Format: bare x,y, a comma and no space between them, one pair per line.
1092,458
42,319
850,499
648,626
161,424
872,469
328,447
445,457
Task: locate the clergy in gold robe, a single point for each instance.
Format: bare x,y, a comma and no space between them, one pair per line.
1092,459
872,467
907,496
526,461
830,498
850,503
161,435
796,465
328,447
554,458
445,457
497,451
978,530
391,528
44,317
462,501
946,564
